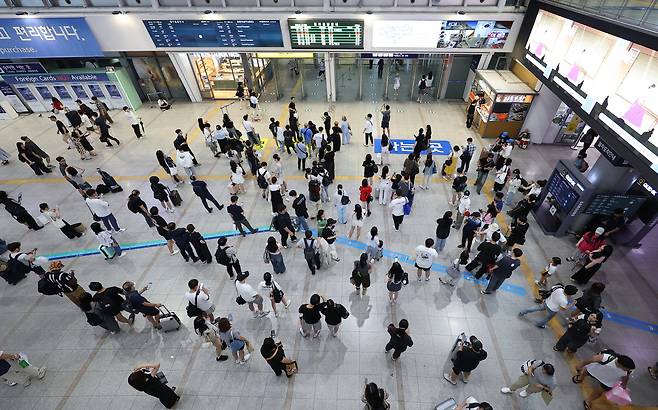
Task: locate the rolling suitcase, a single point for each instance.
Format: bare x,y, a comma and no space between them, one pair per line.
175,197
102,189
168,320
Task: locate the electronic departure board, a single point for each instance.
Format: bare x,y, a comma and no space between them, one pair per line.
215,33
605,204
321,34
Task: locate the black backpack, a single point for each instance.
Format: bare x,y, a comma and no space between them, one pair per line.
344,200
93,319
309,251
277,294
260,178
104,303
48,288
314,190
221,256
544,294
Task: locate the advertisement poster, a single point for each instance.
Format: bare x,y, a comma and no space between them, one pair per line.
80,92
474,34
13,99
26,93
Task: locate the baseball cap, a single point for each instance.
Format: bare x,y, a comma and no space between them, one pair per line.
599,231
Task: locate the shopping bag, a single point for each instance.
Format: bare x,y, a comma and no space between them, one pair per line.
291,368
618,395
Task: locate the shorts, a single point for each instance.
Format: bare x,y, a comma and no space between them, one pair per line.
393,286
252,105
421,268
148,311
210,310
603,386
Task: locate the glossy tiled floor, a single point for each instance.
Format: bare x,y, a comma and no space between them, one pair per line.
89,368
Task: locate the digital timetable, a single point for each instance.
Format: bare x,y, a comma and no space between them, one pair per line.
215,33
326,34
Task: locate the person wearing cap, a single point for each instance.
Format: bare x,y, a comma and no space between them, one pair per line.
561,298
329,235
400,339
468,357
65,281
588,243
249,294
110,301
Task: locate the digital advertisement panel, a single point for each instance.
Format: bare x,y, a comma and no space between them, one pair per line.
47,37
440,34
326,34
215,33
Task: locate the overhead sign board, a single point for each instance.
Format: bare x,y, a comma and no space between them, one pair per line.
22,68
215,33
55,78
47,37
326,34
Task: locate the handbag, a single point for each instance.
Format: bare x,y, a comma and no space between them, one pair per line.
291,368
192,309
240,300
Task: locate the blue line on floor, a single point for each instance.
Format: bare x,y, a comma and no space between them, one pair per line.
403,258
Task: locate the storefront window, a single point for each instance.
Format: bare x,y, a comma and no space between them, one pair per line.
217,74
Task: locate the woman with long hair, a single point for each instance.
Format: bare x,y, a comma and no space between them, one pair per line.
270,287
361,274
237,177
210,333
365,194
161,193
33,161
169,166
593,262
356,222
384,186
394,281
429,169
274,256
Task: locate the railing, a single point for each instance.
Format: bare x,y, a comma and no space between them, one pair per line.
639,13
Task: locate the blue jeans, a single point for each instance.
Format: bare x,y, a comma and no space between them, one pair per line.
303,225
110,222
439,244
342,213
509,198
549,313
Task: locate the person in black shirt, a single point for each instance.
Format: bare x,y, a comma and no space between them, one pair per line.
104,130
199,244
180,143
523,208
470,113
237,213
471,226
329,234
283,224
182,239
587,139
614,222
161,226
442,231
485,165
309,316
488,252
334,313
200,189
137,206
502,270
160,192
111,301
468,357
301,212
61,129
145,378
273,353
519,230
458,186
400,338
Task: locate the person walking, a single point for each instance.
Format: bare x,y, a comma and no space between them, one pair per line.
237,178
227,256
18,212
400,339
237,214
309,316
536,377
502,269
161,227
395,279
134,120
101,209
200,189
559,298
72,231
33,161
274,354
374,397
274,291
581,329
590,301
368,129
110,301
15,368
272,254
283,224
329,235
103,129
397,208
487,255
467,154
142,305
249,295
161,193
361,274
185,160
607,369
32,148
592,264
137,206
66,282
145,378
102,109
168,165
182,239
209,331
198,242
311,251
443,225
468,356
334,313
301,211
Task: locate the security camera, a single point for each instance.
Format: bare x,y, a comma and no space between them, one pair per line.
207,12
461,12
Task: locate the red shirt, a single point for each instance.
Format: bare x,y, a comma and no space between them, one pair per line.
590,242
364,193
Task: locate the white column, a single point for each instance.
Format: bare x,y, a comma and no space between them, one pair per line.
330,76
186,75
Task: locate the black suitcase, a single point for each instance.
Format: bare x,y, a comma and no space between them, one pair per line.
175,197
116,188
102,189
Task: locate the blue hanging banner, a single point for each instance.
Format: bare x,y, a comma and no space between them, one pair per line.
55,78
406,147
47,37
22,68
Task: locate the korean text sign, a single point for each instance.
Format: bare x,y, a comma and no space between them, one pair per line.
47,37
406,147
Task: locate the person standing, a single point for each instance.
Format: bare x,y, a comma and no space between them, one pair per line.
425,256
459,185
200,189
326,121
35,150
61,129
356,221
110,301
182,239
145,378
109,246
395,279
227,256
513,185
185,160
397,208
487,255
311,250
199,244
273,255
334,313
137,206
592,264
346,130
560,298
302,153
210,333
470,113
141,305
590,241
199,297
467,358
472,225
65,281
249,129
309,316
270,287
485,164
161,227
380,68
11,364
587,140
102,108
429,169
237,214
135,121
301,211
329,235
180,143
400,339
160,192
168,165
101,209
361,274
502,269
581,329
32,160
71,231
422,89
536,377
386,119
283,224
273,353
443,225
249,295
368,129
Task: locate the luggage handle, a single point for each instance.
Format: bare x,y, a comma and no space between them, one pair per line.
163,309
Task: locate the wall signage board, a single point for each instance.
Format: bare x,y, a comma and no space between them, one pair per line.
47,37
389,55
22,68
610,154
10,95
406,147
215,33
326,34
54,78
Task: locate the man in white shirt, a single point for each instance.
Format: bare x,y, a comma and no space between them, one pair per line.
249,129
219,136
506,152
561,298
425,256
318,137
135,121
101,209
463,207
253,103
198,296
397,208
249,294
368,129
263,179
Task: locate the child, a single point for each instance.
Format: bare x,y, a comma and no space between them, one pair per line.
321,221
108,247
199,244
454,271
373,243
549,270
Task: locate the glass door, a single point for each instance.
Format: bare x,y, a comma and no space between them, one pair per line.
347,77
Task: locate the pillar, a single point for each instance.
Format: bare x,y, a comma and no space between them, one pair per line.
539,118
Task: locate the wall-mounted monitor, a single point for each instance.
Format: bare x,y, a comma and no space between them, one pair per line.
326,34
214,33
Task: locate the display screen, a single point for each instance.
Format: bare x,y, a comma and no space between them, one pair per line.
47,37
62,92
26,93
44,92
605,204
339,34
563,193
79,91
96,91
113,91
215,33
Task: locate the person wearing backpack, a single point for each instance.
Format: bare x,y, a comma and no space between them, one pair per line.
301,211
110,300
263,178
19,264
400,339
536,377
422,89
270,287
311,251
557,299
137,206
208,330
198,299
334,313
608,368
64,281
226,255
581,329
96,316
283,224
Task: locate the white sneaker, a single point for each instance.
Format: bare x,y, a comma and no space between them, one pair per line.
288,305
523,393
247,356
505,390
121,230
174,253
255,314
301,332
316,334
264,313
